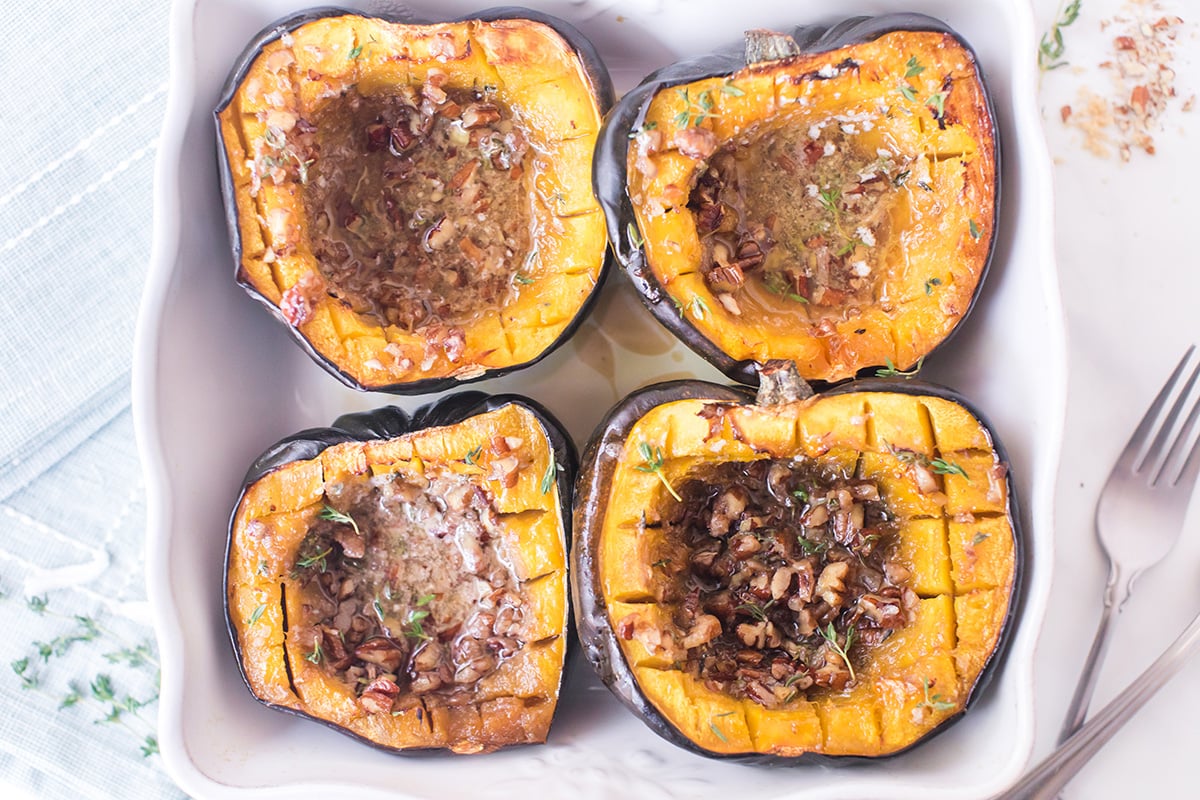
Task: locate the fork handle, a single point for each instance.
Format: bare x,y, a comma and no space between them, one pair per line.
1115,594
1046,779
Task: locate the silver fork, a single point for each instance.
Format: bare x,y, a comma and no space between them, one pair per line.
1141,511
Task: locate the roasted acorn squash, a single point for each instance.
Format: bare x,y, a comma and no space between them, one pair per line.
828,197
414,201
403,580
838,577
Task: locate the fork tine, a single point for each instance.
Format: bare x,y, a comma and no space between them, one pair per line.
1184,451
1131,459
1170,431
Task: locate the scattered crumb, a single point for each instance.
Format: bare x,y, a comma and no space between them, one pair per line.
1125,118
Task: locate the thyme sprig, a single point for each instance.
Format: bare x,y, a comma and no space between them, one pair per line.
830,635
100,693
890,371
934,702
653,458
331,513
1052,46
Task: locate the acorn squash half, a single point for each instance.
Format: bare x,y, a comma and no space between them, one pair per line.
828,197
414,201
837,577
403,579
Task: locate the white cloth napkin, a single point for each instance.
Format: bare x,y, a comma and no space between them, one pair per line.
86,93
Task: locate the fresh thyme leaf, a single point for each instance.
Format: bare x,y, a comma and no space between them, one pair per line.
331,513
473,454
829,634
901,178
733,91
800,495
37,604
913,68
356,52
976,231
890,371
69,700
935,702
699,307
829,199
256,614
634,234
932,282
682,119
908,92
149,746
1052,46
653,458
102,688
978,537
848,247
316,654
524,280
937,104
319,557
418,615
810,547
755,610
378,609
662,562
718,732
262,567
943,467
549,475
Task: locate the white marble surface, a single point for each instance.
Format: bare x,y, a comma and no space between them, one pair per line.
1129,285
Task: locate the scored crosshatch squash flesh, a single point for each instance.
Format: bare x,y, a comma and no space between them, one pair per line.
956,541
472,243
836,208
291,551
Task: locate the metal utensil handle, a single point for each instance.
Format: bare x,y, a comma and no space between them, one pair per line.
1115,594
1045,780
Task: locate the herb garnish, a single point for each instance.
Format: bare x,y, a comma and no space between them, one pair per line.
830,635
935,702
699,307
524,280
776,284
937,104
890,371
254,617
654,463
695,111
932,282
413,628
943,467
472,455
317,654
976,231
913,68
331,513
712,724
634,234
978,537
1052,47
319,557
733,91
549,475
759,612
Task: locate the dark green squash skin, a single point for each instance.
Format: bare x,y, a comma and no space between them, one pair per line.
604,97
609,170
599,640
388,423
